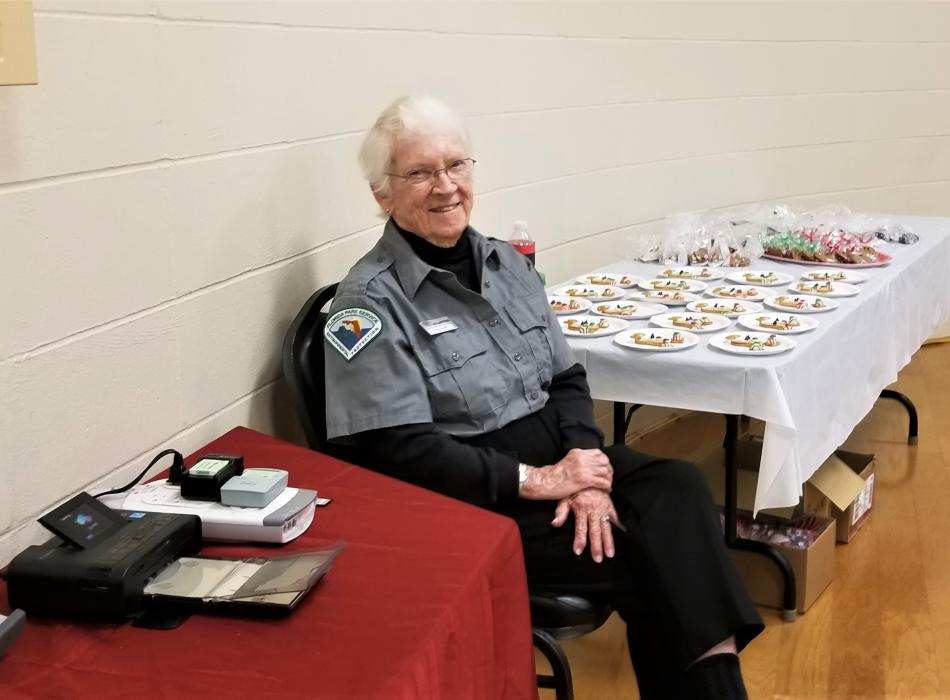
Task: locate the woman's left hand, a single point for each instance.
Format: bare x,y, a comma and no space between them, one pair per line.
594,516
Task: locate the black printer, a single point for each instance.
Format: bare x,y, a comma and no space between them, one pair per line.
100,561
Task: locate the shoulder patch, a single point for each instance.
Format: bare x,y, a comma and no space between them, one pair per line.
351,330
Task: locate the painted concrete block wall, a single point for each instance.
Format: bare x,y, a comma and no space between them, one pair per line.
184,175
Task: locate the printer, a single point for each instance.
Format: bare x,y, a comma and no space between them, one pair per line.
100,561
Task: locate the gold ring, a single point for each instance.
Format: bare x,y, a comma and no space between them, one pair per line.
606,519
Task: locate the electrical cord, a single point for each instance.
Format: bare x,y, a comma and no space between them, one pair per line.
174,475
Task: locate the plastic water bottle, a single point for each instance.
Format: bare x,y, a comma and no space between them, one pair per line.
521,241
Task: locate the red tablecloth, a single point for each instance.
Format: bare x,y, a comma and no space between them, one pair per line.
427,600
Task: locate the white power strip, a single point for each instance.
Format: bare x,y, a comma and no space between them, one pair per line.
282,520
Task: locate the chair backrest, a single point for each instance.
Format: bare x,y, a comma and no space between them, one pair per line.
302,357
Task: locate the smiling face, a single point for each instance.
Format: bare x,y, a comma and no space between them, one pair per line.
437,210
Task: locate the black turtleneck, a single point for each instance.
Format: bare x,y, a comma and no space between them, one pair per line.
472,469
459,259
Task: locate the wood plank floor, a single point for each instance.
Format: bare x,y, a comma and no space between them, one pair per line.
881,631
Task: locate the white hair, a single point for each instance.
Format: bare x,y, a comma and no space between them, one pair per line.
416,115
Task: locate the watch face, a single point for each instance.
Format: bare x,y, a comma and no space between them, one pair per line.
522,473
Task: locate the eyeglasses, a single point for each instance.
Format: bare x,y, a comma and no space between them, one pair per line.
460,169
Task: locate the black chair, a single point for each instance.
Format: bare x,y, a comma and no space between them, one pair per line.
557,616
554,615
302,358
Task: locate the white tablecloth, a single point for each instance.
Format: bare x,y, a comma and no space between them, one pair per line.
812,397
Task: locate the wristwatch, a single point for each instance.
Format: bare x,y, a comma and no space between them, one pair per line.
522,474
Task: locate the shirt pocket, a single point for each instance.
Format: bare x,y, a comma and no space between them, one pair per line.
530,316
461,384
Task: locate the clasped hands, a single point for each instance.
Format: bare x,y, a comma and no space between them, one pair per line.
580,483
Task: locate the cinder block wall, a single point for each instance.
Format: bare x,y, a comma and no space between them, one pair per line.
184,176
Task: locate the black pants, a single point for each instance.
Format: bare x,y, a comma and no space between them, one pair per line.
671,580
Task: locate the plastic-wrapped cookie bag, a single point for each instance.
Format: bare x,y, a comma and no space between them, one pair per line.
643,245
896,233
683,235
736,243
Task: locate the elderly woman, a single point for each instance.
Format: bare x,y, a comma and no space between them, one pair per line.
446,368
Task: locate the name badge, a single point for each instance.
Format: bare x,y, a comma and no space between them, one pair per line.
434,326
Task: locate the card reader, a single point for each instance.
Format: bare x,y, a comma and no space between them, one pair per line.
255,488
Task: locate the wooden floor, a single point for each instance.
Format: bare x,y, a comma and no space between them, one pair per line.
882,629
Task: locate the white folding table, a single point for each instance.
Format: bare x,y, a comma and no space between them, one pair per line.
811,397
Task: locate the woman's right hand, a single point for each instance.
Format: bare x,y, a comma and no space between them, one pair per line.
577,470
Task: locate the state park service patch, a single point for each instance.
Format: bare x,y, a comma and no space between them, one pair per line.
351,330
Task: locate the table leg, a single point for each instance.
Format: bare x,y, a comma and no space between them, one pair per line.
730,444
911,412
622,418
789,607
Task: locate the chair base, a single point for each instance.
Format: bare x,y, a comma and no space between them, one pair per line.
560,679
556,615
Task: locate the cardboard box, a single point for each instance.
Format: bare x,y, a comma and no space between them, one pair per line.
814,569
842,488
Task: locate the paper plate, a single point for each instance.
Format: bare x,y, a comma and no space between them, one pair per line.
565,306
739,292
627,309
824,289
591,292
703,274
760,278
801,303
723,307
749,343
667,298
672,285
590,326
783,324
836,275
657,340
695,323
615,279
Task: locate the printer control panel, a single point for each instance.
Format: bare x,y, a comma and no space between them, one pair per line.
133,535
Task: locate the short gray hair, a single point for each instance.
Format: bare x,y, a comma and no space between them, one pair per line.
418,115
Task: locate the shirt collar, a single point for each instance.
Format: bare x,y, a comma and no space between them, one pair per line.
411,271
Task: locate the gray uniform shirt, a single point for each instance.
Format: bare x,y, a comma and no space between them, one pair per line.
489,362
